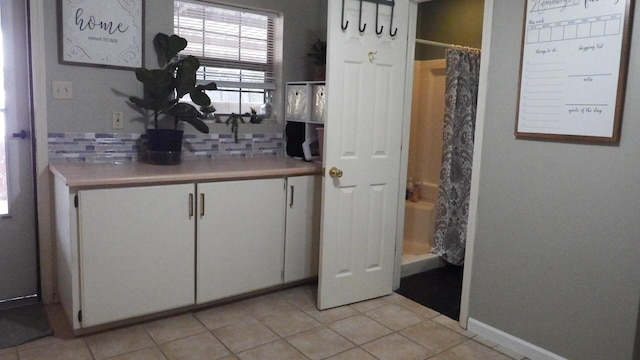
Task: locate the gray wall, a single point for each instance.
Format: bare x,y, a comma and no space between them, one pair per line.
94,100
449,21
557,250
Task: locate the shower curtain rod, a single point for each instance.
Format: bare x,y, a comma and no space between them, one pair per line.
440,44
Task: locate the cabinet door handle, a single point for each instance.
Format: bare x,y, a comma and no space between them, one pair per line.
190,206
201,205
291,198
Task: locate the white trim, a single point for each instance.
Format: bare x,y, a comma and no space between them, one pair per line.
406,125
40,130
477,160
511,342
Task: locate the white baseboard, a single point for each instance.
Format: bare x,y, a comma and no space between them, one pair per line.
510,342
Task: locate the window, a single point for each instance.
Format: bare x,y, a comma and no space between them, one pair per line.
236,48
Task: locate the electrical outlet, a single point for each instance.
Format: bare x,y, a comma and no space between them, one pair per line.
62,90
117,120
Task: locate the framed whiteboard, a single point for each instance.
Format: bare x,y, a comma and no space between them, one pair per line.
101,33
573,69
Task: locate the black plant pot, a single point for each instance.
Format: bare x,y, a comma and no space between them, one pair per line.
164,146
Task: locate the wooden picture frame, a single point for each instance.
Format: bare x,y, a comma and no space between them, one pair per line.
573,70
101,33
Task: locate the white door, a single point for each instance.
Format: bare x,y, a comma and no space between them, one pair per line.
365,103
18,257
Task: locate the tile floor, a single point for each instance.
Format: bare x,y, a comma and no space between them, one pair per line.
281,325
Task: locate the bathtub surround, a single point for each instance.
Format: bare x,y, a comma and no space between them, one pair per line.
126,147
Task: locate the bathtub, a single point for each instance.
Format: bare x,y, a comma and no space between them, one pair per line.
419,225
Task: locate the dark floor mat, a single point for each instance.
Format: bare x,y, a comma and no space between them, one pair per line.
22,324
438,289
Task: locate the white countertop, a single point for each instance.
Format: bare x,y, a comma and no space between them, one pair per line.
139,173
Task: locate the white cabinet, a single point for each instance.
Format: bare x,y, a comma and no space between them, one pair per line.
303,228
136,251
240,245
125,252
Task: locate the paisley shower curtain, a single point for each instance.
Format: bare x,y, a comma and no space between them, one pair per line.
461,96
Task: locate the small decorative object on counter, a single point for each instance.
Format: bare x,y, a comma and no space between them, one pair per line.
409,191
266,109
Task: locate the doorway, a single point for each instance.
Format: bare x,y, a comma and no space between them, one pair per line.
440,23
18,247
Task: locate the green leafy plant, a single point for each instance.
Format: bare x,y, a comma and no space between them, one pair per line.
165,87
233,120
318,53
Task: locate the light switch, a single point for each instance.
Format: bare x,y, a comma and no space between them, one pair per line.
62,90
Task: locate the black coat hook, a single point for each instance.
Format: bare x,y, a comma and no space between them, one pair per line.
381,27
392,32
343,24
360,27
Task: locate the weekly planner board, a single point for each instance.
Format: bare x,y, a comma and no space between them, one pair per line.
573,70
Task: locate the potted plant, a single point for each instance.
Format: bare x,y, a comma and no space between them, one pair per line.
163,90
318,55
233,120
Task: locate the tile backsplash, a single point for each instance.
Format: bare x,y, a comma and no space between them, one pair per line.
124,147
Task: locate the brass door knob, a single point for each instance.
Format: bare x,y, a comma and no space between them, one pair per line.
335,173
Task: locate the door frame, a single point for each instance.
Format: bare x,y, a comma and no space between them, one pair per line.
42,176
477,151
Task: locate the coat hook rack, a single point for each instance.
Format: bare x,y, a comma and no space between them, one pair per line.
362,26
378,32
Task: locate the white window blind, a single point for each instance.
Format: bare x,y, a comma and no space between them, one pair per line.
235,46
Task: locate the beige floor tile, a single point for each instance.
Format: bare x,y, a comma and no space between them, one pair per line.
145,354
265,305
360,329
277,350
419,309
203,346
9,351
48,340
330,315
433,337
369,305
394,317
118,342
394,298
64,350
290,322
222,316
453,325
395,347
471,350
320,343
245,335
353,354
173,328
301,296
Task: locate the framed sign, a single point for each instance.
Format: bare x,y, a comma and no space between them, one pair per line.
101,33
573,69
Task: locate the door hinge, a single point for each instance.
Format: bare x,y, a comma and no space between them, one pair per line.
75,201
80,316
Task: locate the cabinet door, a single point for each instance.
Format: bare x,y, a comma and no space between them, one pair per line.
240,243
136,251
303,228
